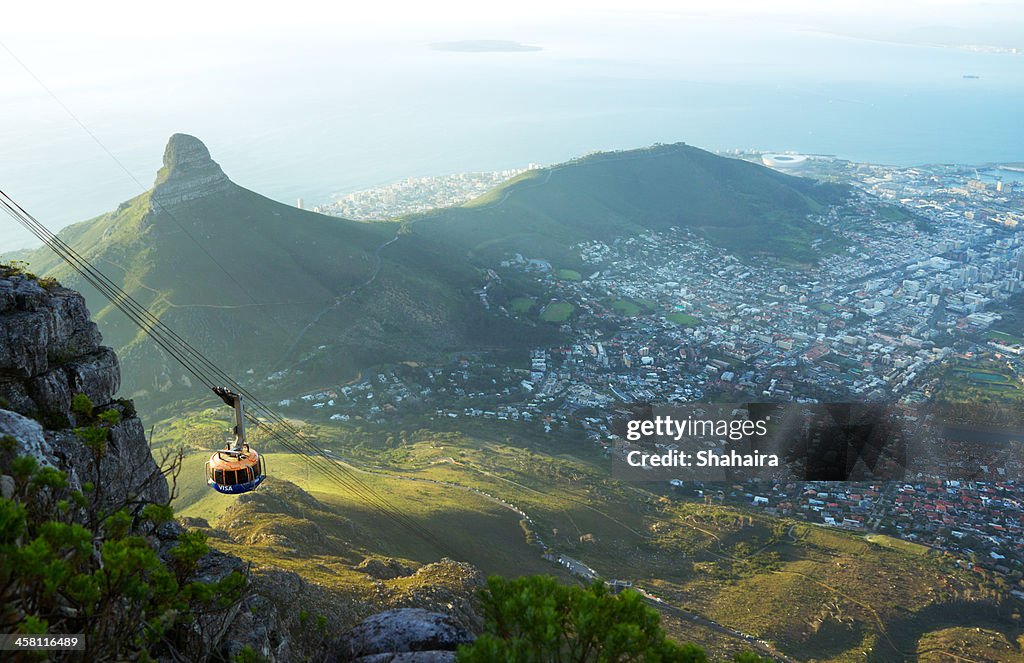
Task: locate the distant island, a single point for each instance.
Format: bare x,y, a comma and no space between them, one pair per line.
484,46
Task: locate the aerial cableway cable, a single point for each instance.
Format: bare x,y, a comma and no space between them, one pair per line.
211,375
167,339
170,341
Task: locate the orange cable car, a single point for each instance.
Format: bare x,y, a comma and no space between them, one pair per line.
237,468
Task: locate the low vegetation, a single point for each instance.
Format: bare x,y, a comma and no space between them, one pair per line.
557,312
980,382
683,319
746,208
74,563
537,619
823,594
522,304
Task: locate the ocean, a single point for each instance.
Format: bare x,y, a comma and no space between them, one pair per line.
294,118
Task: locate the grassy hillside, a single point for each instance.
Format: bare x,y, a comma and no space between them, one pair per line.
812,592
744,207
302,516
260,286
236,255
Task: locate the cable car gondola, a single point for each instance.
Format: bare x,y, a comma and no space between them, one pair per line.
237,468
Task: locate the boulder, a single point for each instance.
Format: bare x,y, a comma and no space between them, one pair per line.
41,328
383,569
29,437
412,633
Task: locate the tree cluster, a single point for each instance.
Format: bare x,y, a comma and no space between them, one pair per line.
537,619
71,562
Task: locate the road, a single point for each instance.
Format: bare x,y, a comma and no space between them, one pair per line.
581,570
587,573
577,567
761,646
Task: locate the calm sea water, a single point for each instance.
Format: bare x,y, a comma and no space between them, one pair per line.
289,118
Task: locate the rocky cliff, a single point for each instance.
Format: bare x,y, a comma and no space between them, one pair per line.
188,173
50,358
50,353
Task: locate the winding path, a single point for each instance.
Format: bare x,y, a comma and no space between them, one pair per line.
340,299
575,566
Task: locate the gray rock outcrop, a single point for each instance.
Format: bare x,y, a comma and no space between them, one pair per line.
188,173
49,352
383,569
412,635
49,349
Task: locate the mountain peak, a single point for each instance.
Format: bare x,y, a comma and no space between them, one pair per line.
186,151
188,172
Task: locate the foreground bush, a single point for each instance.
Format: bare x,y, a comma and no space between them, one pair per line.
539,620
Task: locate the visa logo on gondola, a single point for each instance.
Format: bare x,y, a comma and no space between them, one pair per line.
238,487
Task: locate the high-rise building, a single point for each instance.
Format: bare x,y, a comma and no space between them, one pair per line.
300,203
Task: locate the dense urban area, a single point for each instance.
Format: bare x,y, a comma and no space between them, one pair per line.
416,194
921,302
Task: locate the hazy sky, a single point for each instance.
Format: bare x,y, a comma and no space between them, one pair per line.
84,43
312,98
129,18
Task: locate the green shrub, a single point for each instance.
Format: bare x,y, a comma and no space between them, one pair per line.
15,268
191,547
110,417
537,619
94,437
82,405
127,407
247,655
157,513
129,603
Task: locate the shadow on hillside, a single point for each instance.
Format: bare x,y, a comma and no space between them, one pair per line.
905,633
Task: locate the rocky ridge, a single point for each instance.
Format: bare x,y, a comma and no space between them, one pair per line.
188,173
49,352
